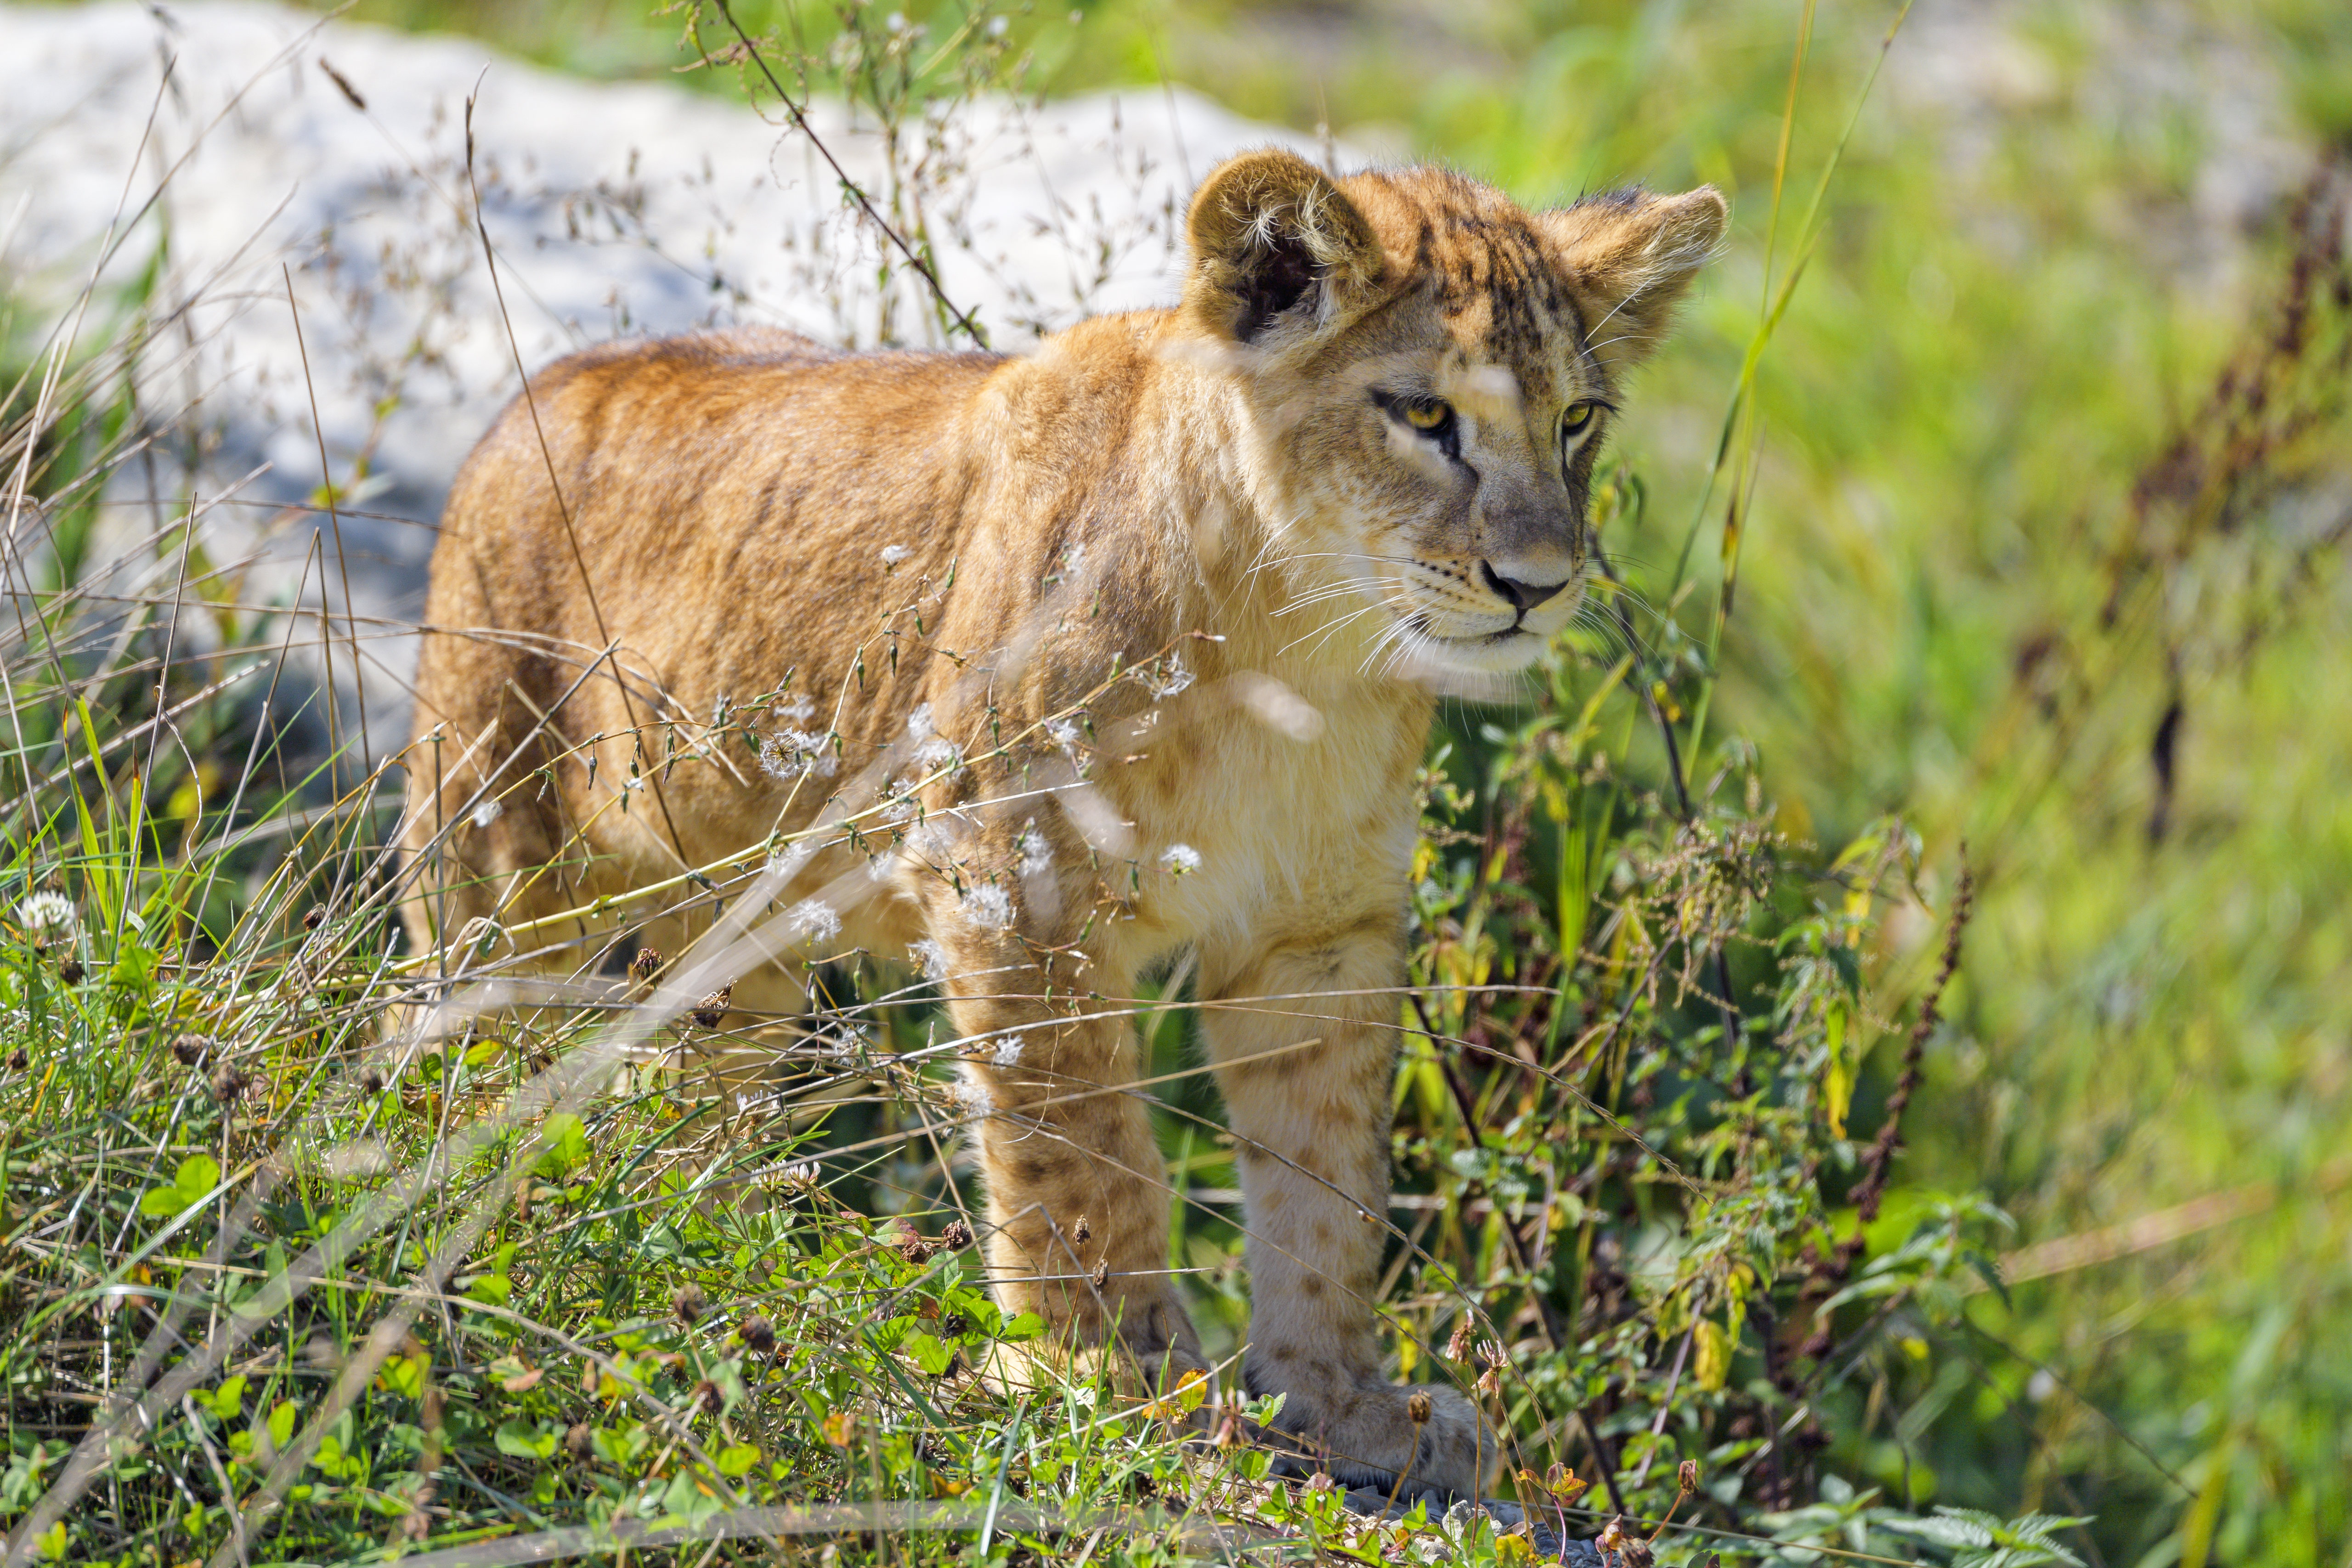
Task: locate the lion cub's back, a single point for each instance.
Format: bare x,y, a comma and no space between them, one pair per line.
695,476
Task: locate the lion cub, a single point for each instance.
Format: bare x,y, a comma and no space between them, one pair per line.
1048,669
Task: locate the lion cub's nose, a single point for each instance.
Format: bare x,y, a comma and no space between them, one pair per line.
1521,596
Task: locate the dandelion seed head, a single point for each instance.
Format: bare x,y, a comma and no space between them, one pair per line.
987,906
974,1098
1172,678
938,752
1037,855
933,959
486,812
1180,860
814,919
798,710
793,754
1007,1052
893,553
920,725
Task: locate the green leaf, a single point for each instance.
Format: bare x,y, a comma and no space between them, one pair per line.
526,1440
281,1423
565,1141
736,1459
1027,1326
929,1354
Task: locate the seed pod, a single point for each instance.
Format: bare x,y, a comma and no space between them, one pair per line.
1458,1347
190,1050
714,1006
689,1303
70,971
1418,1409
575,1442
1686,1477
1102,1275
314,917
1082,1233
759,1335
228,1084
643,967
17,1060
913,1245
956,1236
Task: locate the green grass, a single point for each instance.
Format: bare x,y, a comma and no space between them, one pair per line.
1957,599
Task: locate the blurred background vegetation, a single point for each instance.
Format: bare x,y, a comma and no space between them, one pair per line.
2040,500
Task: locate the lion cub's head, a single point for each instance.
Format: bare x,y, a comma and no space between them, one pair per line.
1429,373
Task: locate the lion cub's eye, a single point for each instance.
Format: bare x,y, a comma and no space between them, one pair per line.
1429,416
1578,417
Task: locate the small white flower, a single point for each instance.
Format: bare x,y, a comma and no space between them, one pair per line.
999,26
920,726
800,1173
932,957
814,919
1172,678
1037,855
987,905
46,917
1007,1052
1180,860
894,553
486,812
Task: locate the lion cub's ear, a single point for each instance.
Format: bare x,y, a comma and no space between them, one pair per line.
1275,245
1630,256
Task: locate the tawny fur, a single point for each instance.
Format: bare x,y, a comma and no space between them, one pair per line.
769,541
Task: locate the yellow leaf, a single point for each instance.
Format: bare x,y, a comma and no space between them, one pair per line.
1712,1364
1837,1083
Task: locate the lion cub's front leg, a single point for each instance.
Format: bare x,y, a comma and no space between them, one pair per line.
1077,1198
1305,1038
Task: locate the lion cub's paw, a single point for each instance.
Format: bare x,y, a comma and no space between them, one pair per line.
1371,1437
